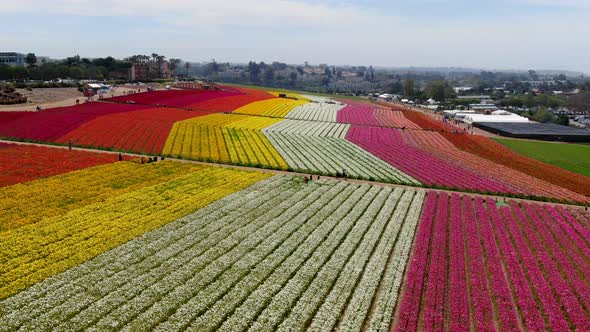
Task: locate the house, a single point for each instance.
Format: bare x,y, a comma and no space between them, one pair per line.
12,59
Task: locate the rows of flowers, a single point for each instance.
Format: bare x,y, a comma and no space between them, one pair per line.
435,144
142,131
274,108
326,112
23,163
84,187
258,259
33,252
243,97
507,267
235,139
172,98
499,154
49,125
388,144
332,156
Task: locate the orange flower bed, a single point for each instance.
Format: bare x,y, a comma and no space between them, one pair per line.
500,154
23,163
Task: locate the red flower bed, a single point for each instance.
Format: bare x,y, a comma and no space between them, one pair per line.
53,123
498,153
172,98
242,97
143,131
476,265
22,163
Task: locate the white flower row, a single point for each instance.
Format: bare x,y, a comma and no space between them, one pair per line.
331,155
316,112
394,273
278,309
332,277
358,307
164,295
240,280
57,295
277,255
318,99
309,128
330,311
337,208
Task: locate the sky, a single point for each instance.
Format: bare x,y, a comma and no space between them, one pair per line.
488,34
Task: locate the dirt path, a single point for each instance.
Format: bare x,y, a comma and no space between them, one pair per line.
278,172
60,97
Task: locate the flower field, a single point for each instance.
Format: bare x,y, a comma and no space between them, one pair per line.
311,134
53,237
388,144
479,265
573,157
275,108
172,98
23,163
225,138
142,131
233,102
278,255
318,147
172,246
50,125
315,112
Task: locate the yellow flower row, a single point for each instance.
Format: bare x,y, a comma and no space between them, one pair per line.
34,252
30,202
226,138
278,107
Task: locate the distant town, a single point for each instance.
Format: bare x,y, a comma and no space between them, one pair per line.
557,97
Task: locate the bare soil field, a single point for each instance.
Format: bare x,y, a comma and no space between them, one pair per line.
48,97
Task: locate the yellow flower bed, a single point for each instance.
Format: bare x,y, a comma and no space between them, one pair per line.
34,252
289,94
226,138
30,202
278,107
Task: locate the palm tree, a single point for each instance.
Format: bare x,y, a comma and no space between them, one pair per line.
159,60
187,66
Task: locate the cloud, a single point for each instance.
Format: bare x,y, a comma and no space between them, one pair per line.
200,13
329,31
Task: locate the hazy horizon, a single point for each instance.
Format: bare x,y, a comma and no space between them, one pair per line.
492,35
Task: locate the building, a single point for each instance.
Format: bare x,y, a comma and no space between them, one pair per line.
12,59
149,71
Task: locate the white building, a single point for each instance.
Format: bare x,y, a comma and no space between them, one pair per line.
12,59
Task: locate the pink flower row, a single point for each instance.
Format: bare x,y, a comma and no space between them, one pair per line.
388,144
475,265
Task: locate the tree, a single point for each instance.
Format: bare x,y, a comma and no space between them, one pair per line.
292,78
31,60
173,65
533,75
254,70
409,88
269,76
439,90
580,102
542,115
300,70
